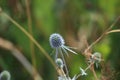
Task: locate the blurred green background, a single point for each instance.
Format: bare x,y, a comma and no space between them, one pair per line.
75,20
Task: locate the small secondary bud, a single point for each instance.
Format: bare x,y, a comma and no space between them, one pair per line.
59,62
5,75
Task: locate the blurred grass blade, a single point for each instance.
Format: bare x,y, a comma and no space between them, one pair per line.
31,38
17,54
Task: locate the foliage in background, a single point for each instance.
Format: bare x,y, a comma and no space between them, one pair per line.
75,20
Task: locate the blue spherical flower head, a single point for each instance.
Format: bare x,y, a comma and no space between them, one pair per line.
56,40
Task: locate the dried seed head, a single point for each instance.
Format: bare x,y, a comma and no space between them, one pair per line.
5,75
59,62
56,40
97,57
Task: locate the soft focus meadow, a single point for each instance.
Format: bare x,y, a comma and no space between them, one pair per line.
90,30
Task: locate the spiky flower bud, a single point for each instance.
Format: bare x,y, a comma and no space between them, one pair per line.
59,62
97,57
5,75
56,40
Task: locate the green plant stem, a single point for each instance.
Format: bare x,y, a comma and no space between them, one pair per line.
30,37
28,13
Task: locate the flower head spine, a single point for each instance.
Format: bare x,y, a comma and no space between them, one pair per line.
57,42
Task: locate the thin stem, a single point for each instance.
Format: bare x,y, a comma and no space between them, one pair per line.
61,72
64,62
32,39
28,12
113,31
89,66
114,23
102,35
65,51
94,73
89,47
56,55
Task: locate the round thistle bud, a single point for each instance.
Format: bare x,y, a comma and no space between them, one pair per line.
5,75
56,40
59,62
